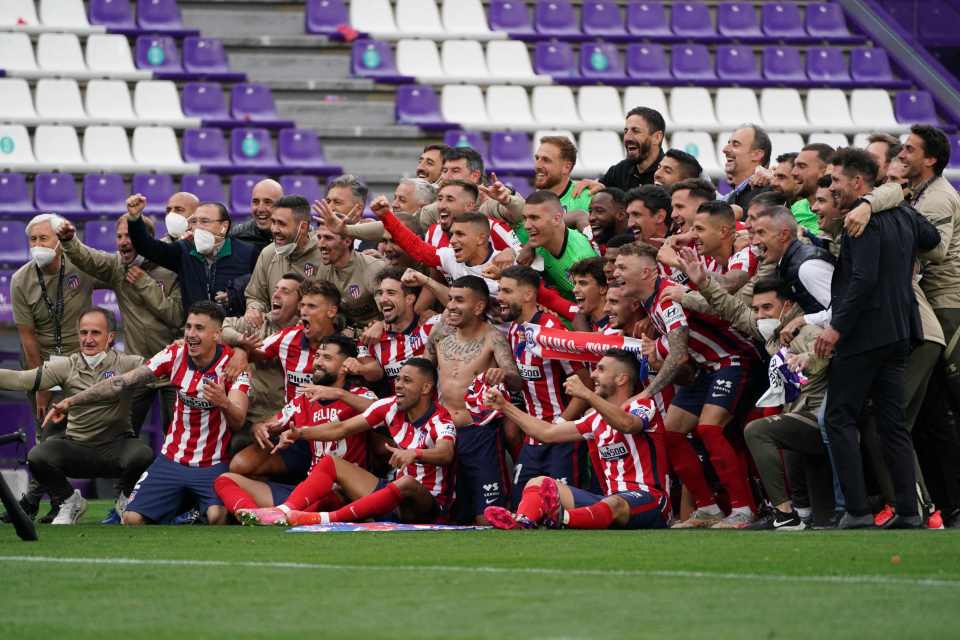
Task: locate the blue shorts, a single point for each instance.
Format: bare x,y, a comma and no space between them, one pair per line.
481,470
160,490
646,510
280,491
438,514
297,459
558,461
722,388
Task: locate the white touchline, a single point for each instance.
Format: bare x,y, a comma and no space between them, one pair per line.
639,573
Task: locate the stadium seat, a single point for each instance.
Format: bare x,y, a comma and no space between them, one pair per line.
508,107
18,12
60,54
471,139
156,188
16,52
100,235
108,101
204,100
700,145
159,15
418,105
512,17
63,14
509,61
466,19
301,148
15,147
419,59
158,101
207,187
158,53
652,97
252,103
109,54
306,186
782,109
13,250
14,194
555,59
827,65
325,16
600,107
827,109
597,151
59,101
113,14
648,19
204,56
56,192
418,18
17,103
691,62
601,62
785,142
463,60
57,145
555,18
554,106
520,184
107,147
252,147
602,18
835,140
737,63
241,190
510,152
647,62
104,192
736,106
6,317
205,146
783,65
692,108
540,134
782,20
463,104
107,299
825,20
157,148
870,67
372,16
912,107
738,20
691,20
373,59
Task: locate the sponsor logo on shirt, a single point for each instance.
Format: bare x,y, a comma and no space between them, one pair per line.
299,379
612,451
393,369
194,402
326,414
529,373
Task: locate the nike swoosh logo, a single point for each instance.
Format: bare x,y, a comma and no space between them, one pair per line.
490,501
777,525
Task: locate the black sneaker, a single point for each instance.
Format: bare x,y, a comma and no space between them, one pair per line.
54,510
777,520
29,507
904,522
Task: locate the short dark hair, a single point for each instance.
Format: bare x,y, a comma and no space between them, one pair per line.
568,150
824,182
775,284
437,146
471,155
787,157
628,360
298,204
855,161
347,346
640,250
719,209
469,187
325,288
474,218
688,163
654,197
822,149
424,365
476,284
107,315
698,188
893,144
543,197
592,267
617,195
293,275
522,274
619,240
222,211
768,199
935,145
393,273
653,118
761,140
207,308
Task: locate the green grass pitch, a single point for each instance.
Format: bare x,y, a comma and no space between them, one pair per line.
92,581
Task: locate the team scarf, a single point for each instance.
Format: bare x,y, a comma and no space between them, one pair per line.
785,384
473,400
556,343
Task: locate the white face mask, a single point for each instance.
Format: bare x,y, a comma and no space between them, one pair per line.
204,241
94,361
285,250
768,327
176,225
42,256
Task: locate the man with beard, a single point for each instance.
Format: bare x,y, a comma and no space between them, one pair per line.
643,135
747,149
781,178
685,200
613,247
648,213
553,162
330,399
257,231
464,346
555,246
884,147
714,228
391,251
675,166
430,162
607,216
809,165
412,194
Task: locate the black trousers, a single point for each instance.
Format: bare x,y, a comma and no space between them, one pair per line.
878,374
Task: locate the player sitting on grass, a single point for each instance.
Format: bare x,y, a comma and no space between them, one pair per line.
624,434
328,401
423,457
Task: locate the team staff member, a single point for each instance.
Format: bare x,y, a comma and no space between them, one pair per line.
257,231
643,135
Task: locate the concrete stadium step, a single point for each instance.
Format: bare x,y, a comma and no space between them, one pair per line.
243,18
335,111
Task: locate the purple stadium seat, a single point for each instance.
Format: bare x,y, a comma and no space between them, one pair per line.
647,61
954,152
241,190
205,146
159,15
520,184
599,61
156,188
554,59
737,63
100,235
691,62
6,317
602,18
252,103
782,64
301,148
13,242
827,64
374,59
113,14
16,414
325,16
913,107
512,16
555,18
691,20
418,105
104,193
56,192
206,186
870,66
204,100
782,20
204,56
825,20
510,152
14,194
738,20
252,147
158,53
648,19
472,139
107,299
306,186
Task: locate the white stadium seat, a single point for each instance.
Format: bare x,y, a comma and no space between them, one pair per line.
57,145
700,145
464,61
543,133
109,54
60,53
466,18
692,108
157,101
418,18
554,107
17,151
16,52
18,12
598,150
835,140
827,109
872,110
464,104
107,146
373,16
600,107
17,102
652,97
156,148
419,58
59,101
736,106
508,107
509,61
861,140
64,14
782,109
783,143
109,101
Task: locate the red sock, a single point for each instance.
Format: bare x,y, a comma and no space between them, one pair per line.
687,465
232,495
316,487
378,503
531,505
726,463
597,516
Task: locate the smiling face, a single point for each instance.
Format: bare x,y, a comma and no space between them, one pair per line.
620,309
392,301
767,305
201,333
316,316
638,142
740,159
542,223
684,208
469,242
605,376
124,245
588,293
770,241
410,385
285,301
783,181
712,236
669,172
285,227
912,156
549,169
807,169
262,199
512,298
452,200
645,224
334,248
403,199
826,209
327,365
465,306
94,333
430,165
605,215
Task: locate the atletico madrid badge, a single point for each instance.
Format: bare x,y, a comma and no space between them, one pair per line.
73,281
309,269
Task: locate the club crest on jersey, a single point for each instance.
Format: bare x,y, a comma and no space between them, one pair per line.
73,281
354,291
309,269
107,374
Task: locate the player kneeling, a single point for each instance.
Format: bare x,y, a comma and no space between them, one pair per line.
423,457
625,437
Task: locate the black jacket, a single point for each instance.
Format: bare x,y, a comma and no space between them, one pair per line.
789,271
250,233
624,176
873,303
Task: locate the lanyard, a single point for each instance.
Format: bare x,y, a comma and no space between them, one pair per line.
55,309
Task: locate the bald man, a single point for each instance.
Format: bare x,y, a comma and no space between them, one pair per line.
180,206
256,231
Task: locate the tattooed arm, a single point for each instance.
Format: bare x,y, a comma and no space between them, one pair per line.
439,331
103,390
505,360
671,366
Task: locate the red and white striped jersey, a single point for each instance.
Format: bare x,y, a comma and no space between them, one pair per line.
543,379
664,397
198,435
501,236
304,412
627,461
713,343
743,260
422,434
296,356
395,348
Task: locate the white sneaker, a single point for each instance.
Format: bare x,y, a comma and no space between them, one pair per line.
736,520
71,510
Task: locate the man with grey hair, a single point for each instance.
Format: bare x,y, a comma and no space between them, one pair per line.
412,194
748,148
257,231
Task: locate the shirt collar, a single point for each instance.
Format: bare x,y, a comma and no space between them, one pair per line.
225,250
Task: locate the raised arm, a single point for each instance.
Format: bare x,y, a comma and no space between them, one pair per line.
101,265
505,360
615,416
564,431
417,248
166,254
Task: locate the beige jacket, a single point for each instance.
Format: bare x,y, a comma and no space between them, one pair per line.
270,268
940,203
267,382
